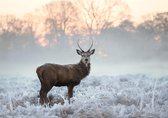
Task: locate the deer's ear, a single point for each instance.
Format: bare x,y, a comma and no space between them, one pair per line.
79,52
92,51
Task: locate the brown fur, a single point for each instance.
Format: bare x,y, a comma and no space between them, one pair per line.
60,75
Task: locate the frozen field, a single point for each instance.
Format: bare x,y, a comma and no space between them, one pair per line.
127,96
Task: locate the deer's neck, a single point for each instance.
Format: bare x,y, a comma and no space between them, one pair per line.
84,69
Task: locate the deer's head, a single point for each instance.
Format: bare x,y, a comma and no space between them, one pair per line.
85,54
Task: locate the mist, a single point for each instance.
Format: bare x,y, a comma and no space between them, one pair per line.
122,47
117,52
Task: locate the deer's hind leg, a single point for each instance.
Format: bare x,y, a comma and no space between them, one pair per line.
43,93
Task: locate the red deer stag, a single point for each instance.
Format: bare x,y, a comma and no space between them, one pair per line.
64,75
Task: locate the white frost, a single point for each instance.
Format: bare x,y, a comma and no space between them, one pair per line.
96,97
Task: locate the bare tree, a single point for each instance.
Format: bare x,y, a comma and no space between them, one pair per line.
29,23
102,14
11,27
61,16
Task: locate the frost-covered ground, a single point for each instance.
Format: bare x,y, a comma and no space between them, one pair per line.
127,96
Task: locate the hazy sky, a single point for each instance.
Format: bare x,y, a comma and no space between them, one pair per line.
138,7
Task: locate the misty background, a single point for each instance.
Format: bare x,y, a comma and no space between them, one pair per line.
50,35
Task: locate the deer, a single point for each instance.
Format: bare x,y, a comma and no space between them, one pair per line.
69,75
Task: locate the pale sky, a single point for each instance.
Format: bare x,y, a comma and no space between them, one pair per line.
142,7
137,7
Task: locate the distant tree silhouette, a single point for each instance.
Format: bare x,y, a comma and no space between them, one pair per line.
61,19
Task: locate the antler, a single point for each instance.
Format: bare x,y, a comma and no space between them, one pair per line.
90,46
79,46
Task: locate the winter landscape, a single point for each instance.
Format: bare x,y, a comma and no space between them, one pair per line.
129,68
127,96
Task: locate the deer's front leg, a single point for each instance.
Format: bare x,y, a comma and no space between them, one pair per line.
70,92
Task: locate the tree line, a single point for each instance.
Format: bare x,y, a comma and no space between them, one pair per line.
60,24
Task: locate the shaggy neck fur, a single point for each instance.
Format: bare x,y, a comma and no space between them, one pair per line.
83,68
